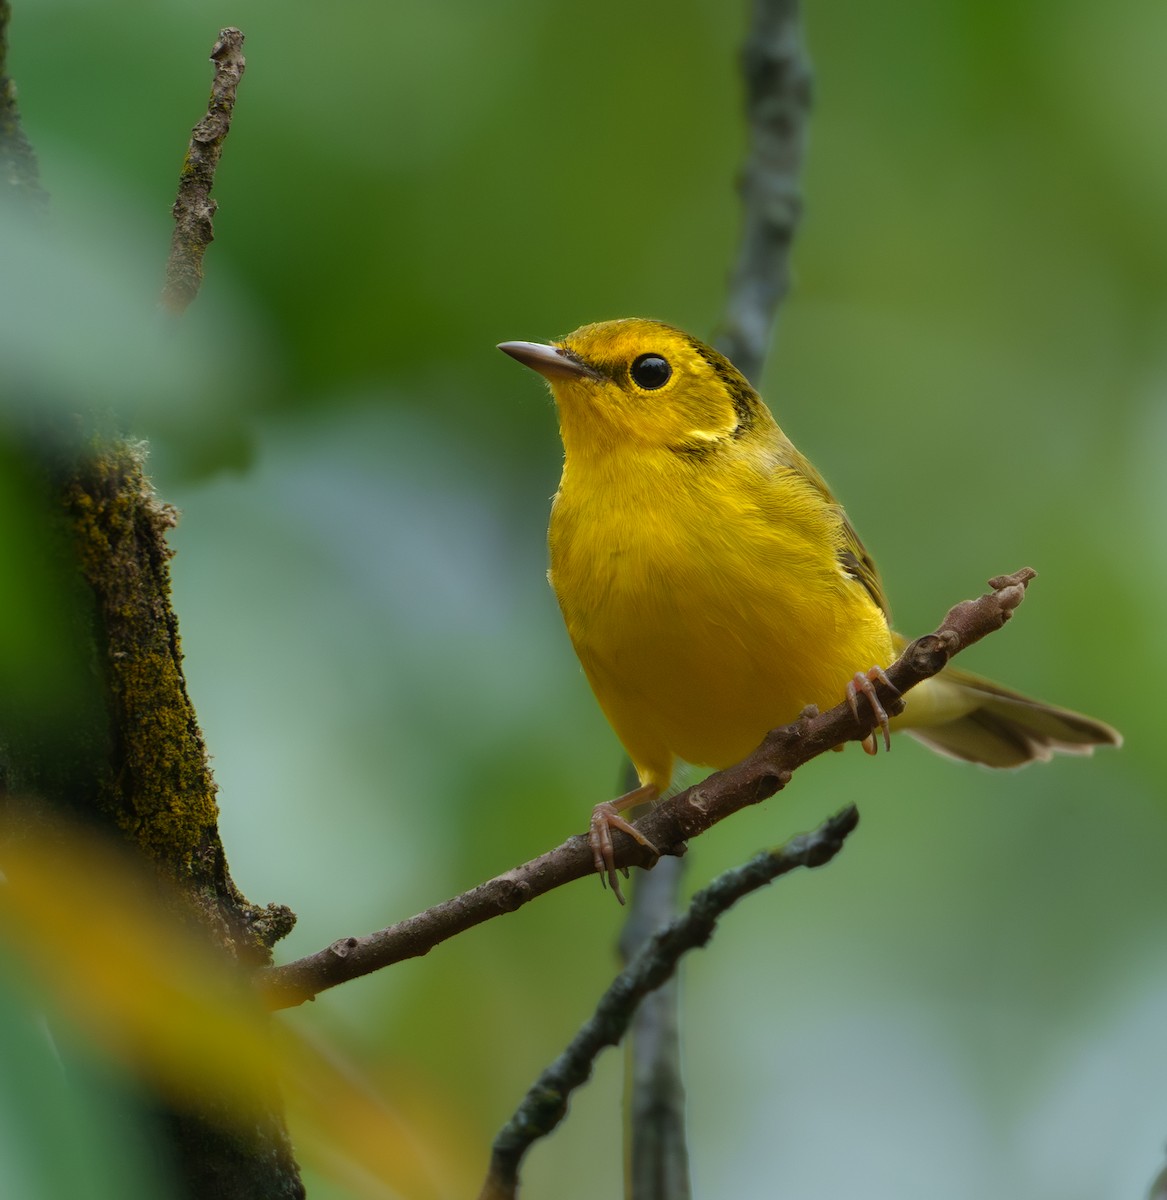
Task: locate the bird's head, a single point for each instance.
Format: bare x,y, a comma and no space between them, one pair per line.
642,385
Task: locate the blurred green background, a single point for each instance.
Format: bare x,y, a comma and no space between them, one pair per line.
970,1001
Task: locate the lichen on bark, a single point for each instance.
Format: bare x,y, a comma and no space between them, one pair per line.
155,785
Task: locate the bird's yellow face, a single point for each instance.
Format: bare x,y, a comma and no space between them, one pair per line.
642,385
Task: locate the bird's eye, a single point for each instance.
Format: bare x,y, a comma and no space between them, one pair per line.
650,372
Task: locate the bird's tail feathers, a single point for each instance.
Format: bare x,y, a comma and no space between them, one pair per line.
974,719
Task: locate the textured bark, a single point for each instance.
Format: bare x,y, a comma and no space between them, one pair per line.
193,209
135,766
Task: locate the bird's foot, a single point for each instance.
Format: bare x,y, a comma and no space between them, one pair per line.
865,684
605,818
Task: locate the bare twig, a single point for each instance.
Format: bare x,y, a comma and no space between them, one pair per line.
778,95
19,175
194,209
667,826
545,1105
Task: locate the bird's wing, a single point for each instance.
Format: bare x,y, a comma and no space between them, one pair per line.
857,563
852,554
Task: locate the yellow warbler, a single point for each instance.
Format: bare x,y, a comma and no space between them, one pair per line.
712,585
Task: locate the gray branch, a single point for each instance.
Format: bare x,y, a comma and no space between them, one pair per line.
776,74
658,1152
545,1105
778,96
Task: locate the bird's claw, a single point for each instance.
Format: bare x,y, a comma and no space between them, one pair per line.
865,684
605,818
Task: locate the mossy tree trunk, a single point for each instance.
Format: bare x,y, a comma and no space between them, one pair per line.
122,754
133,764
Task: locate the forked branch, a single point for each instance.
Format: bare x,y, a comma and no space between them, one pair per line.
545,1104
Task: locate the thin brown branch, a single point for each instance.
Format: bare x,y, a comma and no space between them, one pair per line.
194,209
545,1104
669,825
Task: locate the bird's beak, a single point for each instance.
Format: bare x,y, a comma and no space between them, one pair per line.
553,362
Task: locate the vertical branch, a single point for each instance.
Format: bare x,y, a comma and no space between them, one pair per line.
194,209
658,1158
778,95
777,80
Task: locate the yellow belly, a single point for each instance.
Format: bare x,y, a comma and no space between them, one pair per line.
700,636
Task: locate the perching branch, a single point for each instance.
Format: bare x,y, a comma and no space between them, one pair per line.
668,826
194,209
778,94
545,1105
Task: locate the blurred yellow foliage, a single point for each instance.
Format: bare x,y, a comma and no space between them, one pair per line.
114,957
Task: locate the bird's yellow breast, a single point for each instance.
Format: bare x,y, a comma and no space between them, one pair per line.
706,602
712,585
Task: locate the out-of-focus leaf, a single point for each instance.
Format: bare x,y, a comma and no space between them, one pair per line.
44,1107
81,332
114,959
